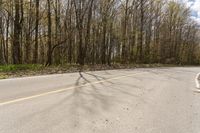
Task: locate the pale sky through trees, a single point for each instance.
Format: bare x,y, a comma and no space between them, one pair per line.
195,8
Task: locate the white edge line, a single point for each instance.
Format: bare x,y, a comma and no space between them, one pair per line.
197,80
65,89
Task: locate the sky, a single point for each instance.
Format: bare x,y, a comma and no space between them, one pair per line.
195,8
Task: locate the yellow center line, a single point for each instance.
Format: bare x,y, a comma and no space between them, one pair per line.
65,89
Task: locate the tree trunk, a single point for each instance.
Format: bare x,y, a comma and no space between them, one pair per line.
16,53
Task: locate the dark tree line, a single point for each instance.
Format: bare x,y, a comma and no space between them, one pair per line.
97,32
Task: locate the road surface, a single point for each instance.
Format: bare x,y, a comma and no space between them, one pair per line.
159,100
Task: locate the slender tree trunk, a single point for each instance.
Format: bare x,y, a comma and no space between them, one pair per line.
16,53
35,55
49,51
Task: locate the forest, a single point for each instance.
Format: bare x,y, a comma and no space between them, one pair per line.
92,32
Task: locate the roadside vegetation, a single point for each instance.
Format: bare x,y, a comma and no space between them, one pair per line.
11,71
23,67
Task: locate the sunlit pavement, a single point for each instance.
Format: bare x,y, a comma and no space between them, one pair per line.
158,100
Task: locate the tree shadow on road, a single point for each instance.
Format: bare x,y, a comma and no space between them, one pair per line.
87,99
90,92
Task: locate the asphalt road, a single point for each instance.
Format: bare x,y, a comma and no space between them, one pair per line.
159,100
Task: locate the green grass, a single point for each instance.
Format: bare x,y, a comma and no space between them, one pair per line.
24,67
